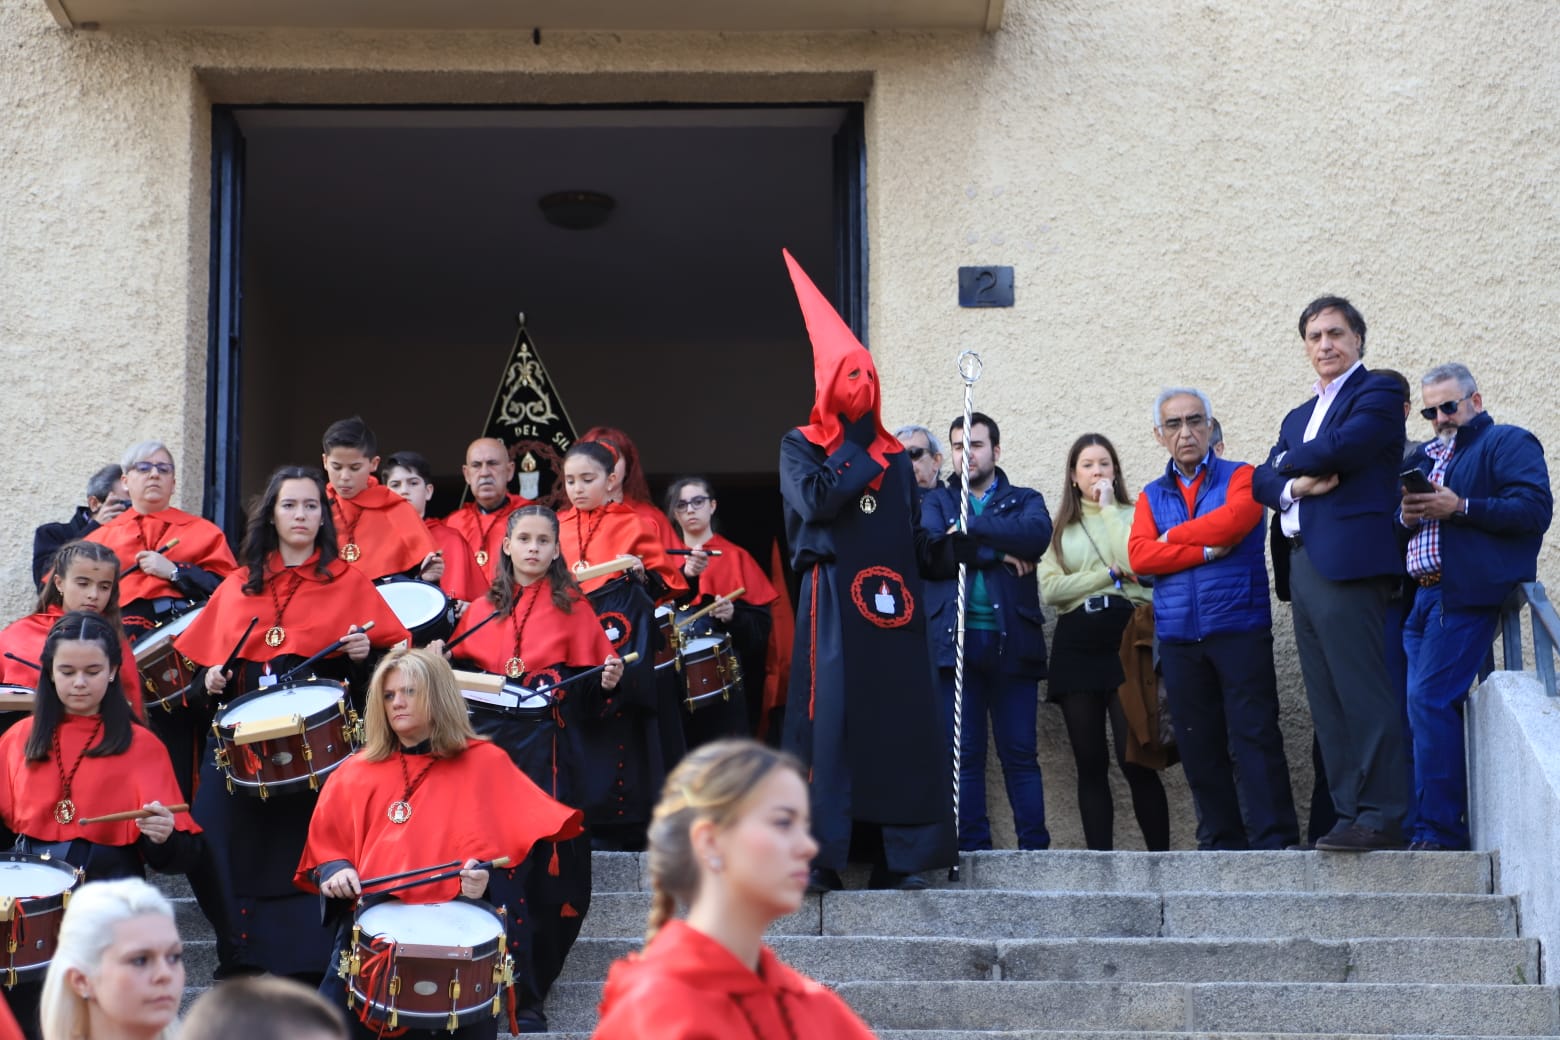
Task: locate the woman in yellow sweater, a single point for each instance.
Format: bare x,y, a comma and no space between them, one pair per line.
1086,578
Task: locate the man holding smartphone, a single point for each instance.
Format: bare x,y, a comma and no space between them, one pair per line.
1004,639
1477,500
106,499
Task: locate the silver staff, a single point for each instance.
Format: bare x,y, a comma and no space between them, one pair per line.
969,370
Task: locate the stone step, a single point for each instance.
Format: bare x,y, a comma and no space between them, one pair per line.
995,914
1396,961
1469,873
1176,1008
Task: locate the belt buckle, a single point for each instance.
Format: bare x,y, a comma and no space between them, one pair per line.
1095,604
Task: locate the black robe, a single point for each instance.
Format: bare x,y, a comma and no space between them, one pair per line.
862,710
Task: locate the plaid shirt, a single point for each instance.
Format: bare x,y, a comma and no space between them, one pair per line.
1424,549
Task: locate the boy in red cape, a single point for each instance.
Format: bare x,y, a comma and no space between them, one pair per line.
380,533
863,713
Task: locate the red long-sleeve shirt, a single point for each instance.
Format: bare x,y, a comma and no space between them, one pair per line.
1184,543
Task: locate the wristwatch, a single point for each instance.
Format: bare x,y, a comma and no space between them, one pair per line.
173,575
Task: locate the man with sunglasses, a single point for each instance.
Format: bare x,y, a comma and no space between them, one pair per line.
925,454
1476,534
1332,477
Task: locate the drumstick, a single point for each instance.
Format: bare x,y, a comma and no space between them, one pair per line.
717,601
171,543
35,666
469,632
690,552
134,814
408,873
502,861
232,659
332,648
622,563
628,659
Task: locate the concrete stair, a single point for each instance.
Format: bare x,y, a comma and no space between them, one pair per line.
1106,946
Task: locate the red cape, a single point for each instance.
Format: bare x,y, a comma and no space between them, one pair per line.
484,532
733,569
611,531
25,638
201,543
454,816
657,519
29,790
552,637
686,985
462,578
318,614
390,536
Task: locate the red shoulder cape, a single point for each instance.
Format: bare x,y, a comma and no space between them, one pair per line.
201,543
734,569
453,817
551,637
390,536
318,614
611,531
25,638
462,578
657,519
484,532
29,790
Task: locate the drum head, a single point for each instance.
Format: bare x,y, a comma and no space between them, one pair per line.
663,612
29,877
302,700
698,647
414,603
161,636
432,924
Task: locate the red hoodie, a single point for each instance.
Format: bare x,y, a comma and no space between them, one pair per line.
687,986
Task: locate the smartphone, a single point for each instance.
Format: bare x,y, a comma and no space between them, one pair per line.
1415,482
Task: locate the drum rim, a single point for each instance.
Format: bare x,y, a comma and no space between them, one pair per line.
58,865
417,587
321,715
692,646
166,632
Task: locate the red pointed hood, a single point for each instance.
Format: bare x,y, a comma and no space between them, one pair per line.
837,354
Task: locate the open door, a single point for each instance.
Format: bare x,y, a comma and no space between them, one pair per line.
850,221
223,500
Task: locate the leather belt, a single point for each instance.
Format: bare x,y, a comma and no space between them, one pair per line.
1095,604
1296,541
1427,580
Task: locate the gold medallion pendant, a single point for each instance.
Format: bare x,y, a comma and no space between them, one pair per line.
482,557
274,635
868,504
514,668
64,810
400,811
350,552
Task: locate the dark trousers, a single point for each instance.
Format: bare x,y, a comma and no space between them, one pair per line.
1224,708
1340,633
1445,649
1012,702
1085,713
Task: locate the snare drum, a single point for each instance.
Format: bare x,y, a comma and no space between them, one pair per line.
486,692
666,649
16,703
434,965
710,669
34,891
422,607
276,740
165,673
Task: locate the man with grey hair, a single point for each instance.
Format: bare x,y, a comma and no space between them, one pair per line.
106,499
1477,519
1199,532
925,453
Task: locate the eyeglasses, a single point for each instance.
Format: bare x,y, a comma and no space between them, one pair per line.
1445,408
166,468
688,505
1191,422
916,454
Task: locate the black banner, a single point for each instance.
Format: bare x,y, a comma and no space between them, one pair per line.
529,417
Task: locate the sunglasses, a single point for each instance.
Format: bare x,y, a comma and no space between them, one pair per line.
1445,408
916,453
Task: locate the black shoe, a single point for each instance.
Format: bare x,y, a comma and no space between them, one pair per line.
1300,846
1355,838
824,879
1429,846
889,880
530,1020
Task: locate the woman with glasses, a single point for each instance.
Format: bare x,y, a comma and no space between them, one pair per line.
691,505
1086,577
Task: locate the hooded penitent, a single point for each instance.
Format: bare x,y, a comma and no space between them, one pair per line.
845,380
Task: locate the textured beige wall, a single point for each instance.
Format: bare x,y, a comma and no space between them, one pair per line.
1171,181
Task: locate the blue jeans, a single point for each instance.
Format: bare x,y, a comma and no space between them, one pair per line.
1445,648
1013,702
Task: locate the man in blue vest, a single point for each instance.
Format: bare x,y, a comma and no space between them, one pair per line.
1004,638
1199,532
1475,536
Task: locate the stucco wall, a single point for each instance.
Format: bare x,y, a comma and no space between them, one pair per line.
1171,181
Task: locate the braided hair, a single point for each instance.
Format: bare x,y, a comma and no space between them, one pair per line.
48,710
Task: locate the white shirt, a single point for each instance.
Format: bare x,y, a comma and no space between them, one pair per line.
1289,518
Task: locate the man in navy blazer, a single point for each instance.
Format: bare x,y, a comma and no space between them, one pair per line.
1333,477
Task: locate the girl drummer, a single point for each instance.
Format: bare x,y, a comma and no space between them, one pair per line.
598,529
691,505
84,576
545,631
422,791
82,755
305,600
633,490
731,842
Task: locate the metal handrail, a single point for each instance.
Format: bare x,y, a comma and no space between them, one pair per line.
1546,634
